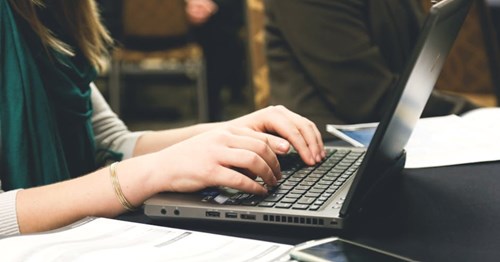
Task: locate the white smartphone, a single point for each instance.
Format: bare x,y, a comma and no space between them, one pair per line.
340,250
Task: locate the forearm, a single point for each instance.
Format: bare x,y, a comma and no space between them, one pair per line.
112,134
154,141
53,206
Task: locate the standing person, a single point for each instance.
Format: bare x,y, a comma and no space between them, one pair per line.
56,130
335,62
217,27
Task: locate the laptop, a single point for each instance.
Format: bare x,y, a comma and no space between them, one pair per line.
327,194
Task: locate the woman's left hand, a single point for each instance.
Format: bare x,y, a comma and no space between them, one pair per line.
279,121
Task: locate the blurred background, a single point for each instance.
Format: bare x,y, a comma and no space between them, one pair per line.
173,68
174,65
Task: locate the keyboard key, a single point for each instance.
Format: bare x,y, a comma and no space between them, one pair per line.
298,191
274,197
314,207
288,200
300,206
292,195
267,204
311,194
306,200
283,205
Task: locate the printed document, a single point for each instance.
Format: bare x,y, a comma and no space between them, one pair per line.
102,239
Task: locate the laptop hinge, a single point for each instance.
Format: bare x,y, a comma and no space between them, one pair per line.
377,187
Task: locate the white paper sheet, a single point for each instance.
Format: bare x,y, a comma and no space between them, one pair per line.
453,140
104,239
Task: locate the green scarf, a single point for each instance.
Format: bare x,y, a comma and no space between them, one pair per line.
45,108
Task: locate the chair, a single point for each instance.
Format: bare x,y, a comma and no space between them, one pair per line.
155,42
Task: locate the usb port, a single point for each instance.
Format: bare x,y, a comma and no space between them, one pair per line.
231,215
212,214
247,216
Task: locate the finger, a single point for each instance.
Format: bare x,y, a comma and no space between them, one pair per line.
256,165
286,126
321,145
277,144
312,136
310,133
253,155
233,179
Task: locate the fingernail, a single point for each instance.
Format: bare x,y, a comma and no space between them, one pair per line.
283,146
318,158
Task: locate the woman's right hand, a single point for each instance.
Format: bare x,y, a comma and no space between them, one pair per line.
228,156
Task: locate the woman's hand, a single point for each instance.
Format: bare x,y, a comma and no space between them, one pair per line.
299,131
238,151
228,156
234,153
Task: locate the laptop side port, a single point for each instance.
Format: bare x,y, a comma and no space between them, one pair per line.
248,216
212,214
231,215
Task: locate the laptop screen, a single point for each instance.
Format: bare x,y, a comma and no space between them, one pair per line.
411,93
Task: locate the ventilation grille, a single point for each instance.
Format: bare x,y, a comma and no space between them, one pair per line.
294,220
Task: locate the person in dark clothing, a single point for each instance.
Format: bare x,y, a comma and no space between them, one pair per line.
217,26
337,61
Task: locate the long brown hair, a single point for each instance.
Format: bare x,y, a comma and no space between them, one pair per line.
82,21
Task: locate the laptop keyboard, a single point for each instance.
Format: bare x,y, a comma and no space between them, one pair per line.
302,187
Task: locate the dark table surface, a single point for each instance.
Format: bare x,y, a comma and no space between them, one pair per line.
434,214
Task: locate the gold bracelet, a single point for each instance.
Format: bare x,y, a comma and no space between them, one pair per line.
118,190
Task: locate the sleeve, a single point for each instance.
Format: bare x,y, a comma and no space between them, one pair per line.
8,213
223,2
110,132
231,10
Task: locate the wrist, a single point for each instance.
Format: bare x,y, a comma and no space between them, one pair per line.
137,178
158,175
